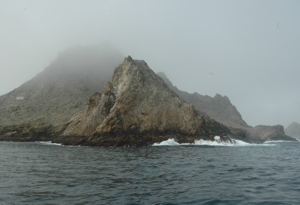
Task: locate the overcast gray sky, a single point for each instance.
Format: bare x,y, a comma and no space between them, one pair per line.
247,50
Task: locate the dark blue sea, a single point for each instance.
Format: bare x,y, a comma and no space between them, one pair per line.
45,173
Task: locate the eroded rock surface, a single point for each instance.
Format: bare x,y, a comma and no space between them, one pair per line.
138,108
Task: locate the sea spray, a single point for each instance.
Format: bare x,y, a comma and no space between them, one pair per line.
216,142
49,143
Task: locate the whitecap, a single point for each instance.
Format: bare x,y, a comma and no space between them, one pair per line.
169,142
49,143
216,142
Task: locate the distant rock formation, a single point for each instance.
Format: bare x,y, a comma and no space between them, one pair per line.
265,132
293,130
221,109
218,107
41,107
137,108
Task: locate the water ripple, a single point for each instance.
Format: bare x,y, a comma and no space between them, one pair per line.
34,173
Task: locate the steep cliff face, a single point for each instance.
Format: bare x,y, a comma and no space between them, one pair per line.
293,130
138,108
43,105
221,109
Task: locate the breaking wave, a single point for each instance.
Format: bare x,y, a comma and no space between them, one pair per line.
278,141
49,143
216,142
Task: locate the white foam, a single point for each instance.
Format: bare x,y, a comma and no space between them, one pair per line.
49,143
169,142
277,141
216,142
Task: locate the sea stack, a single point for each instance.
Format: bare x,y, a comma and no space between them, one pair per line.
136,109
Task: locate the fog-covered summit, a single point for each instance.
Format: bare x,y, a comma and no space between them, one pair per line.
62,88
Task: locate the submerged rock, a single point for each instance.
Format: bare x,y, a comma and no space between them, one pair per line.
138,108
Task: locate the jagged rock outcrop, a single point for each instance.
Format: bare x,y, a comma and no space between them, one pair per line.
218,107
293,130
137,108
41,107
221,109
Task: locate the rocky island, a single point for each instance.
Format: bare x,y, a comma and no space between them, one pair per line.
135,107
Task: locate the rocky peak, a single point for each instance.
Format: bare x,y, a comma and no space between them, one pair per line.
222,99
138,108
293,130
217,107
166,79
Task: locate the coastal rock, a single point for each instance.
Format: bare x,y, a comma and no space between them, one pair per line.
264,132
221,109
293,130
138,108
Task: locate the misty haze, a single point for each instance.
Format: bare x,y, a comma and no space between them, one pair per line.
151,85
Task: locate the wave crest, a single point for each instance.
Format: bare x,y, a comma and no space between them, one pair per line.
216,142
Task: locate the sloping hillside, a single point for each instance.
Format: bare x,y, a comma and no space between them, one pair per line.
62,89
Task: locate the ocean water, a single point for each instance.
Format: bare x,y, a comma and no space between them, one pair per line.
168,173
